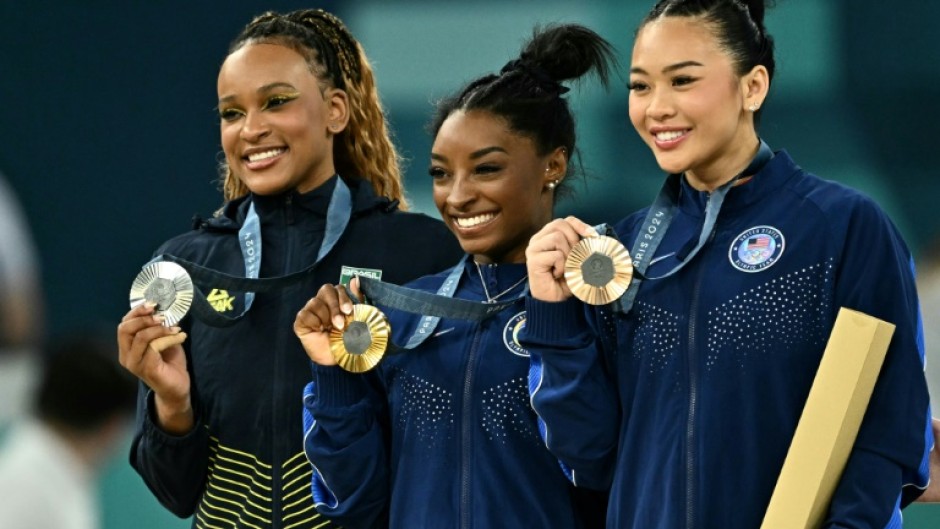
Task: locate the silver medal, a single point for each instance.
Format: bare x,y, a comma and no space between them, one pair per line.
166,284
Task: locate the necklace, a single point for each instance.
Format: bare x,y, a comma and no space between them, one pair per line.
493,299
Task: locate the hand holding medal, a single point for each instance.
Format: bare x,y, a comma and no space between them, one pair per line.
568,257
334,331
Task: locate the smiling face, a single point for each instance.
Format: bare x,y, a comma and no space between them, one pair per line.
689,105
490,185
276,118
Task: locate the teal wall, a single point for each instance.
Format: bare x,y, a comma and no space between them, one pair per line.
108,132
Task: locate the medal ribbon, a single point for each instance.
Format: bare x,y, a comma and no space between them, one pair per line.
432,307
249,237
660,216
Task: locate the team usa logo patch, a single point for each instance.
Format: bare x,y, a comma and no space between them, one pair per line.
511,334
757,249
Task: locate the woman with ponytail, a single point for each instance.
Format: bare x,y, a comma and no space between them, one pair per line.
443,434
685,394
311,181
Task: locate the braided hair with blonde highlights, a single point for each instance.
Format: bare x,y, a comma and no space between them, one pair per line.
364,149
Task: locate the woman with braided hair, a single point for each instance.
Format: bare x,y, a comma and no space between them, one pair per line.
443,434
685,394
312,180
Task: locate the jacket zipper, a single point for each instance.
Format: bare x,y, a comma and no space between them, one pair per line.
693,398
466,431
278,444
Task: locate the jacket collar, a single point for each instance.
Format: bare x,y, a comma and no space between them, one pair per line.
762,185
317,201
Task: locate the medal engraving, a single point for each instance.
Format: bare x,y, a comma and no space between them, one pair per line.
161,292
598,270
356,338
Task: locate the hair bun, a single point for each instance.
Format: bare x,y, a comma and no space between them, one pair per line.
538,74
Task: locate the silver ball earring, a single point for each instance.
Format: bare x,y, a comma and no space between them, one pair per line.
552,185
753,107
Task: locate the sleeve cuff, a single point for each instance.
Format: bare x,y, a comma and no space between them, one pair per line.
154,432
336,387
553,322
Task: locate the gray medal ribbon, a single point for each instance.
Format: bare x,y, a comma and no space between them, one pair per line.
337,218
432,307
661,215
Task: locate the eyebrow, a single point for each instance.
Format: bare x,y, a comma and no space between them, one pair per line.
262,90
483,152
670,68
474,155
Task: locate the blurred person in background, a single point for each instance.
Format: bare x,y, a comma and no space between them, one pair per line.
81,411
20,306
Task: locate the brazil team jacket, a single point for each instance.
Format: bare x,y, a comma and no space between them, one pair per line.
442,435
687,405
243,464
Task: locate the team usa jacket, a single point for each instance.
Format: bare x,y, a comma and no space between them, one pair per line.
243,464
441,435
687,405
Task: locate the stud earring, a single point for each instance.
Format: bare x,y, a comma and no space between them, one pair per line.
552,185
753,107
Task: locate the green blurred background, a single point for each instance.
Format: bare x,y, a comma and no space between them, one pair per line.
110,139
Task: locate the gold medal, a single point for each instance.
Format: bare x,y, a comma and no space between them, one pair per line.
166,284
598,270
361,344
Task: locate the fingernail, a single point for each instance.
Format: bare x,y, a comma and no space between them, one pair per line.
339,322
590,232
159,318
347,308
175,330
150,304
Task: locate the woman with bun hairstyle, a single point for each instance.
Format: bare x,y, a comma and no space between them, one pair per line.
310,176
443,435
684,398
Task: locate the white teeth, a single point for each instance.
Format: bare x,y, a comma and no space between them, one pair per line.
258,156
473,221
669,135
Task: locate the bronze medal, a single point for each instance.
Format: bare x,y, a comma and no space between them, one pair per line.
168,285
362,342
598,270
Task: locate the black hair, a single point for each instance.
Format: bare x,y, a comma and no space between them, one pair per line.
82,385
528,91
738,25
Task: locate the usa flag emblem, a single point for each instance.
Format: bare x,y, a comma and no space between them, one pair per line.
756,249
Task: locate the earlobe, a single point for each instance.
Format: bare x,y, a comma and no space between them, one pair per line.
557,168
